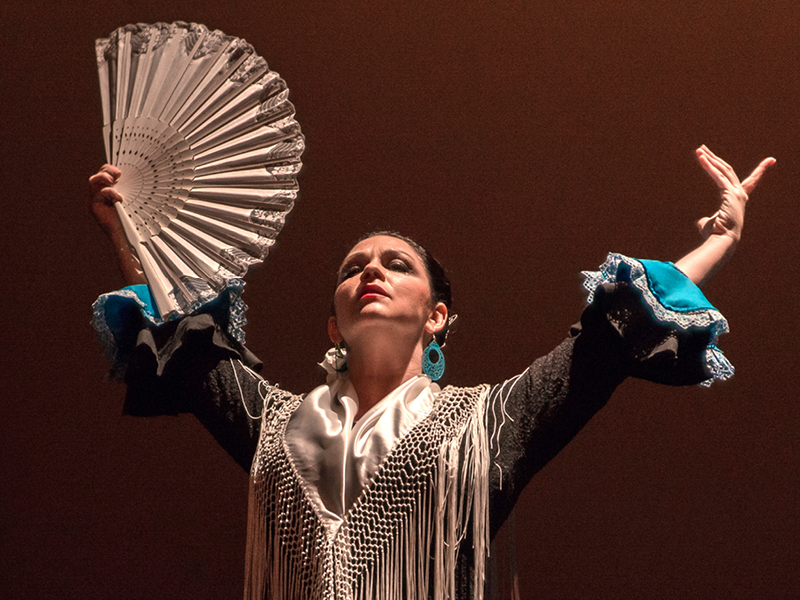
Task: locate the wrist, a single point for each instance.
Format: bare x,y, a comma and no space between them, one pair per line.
725,243
120,243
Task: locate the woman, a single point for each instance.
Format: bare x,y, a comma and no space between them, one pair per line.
379,484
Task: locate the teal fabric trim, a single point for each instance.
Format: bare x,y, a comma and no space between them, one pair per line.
672,298
142,291
117,316
673,289
116,306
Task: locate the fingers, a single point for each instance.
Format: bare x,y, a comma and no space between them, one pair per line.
750,183
722,173
110,195
729,218
718,176
102,191
100,180
107,176
111,169
101,185
720,164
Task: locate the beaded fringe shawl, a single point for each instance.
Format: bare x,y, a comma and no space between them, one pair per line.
401,538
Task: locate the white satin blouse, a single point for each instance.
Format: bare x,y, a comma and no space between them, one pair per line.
337,458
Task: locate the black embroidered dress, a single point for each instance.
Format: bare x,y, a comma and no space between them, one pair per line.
419,523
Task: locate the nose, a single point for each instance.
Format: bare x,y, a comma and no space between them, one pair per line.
373,271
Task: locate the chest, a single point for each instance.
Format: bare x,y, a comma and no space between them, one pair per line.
409,518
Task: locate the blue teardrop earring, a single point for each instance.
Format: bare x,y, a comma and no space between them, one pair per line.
433,361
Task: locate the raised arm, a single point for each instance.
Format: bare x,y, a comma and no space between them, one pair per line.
722,230
102,196
644,319
191,365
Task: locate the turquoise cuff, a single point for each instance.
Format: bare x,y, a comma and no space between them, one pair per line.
117,316
673,299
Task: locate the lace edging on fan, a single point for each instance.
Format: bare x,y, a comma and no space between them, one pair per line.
695,312
204,136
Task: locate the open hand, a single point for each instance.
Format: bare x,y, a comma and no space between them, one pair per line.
729,219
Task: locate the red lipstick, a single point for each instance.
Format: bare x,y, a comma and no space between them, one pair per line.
372,290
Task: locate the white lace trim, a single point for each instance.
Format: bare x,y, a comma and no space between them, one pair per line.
100,324
711,319
236,320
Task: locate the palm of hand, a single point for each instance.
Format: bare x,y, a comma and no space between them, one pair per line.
729,218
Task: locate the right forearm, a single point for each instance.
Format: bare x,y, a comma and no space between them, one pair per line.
102,197
129,264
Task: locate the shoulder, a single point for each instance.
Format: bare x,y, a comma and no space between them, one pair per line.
452,390
454,399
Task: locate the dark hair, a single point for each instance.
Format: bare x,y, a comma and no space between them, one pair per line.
440,284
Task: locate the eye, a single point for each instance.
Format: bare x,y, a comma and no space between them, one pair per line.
348,271
398,264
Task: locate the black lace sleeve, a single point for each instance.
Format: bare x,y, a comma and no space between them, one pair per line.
193,365
532,416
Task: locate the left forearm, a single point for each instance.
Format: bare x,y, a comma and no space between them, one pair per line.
704,260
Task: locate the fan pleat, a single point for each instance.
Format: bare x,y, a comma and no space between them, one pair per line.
215,247
245,89
247,198
266,106
266,223
209,150
201,59
229,142
171,60
190,290
227,62
203,264
277,155
252,242
276,178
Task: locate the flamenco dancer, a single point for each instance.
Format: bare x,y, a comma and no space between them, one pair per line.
379,484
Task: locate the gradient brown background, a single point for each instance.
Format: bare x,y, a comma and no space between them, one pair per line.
520,142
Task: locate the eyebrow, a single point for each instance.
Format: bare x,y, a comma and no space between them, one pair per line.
359,255
363,255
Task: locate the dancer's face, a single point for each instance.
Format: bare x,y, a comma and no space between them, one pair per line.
383,283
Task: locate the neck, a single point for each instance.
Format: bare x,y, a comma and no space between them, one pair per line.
377,368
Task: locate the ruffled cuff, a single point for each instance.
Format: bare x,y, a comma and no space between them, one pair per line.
681,317
119,316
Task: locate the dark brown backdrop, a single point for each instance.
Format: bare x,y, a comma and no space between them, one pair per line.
520,141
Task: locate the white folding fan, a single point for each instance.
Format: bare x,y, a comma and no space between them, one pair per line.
209,152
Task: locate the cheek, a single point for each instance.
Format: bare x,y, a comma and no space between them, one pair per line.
422,297
341,297
337,302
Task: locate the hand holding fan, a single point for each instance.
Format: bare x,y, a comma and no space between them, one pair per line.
209,152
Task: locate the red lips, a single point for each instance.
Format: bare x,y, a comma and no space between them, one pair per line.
371,289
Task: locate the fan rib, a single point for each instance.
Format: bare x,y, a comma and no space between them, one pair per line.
209,150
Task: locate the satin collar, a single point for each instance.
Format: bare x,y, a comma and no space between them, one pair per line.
336,459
